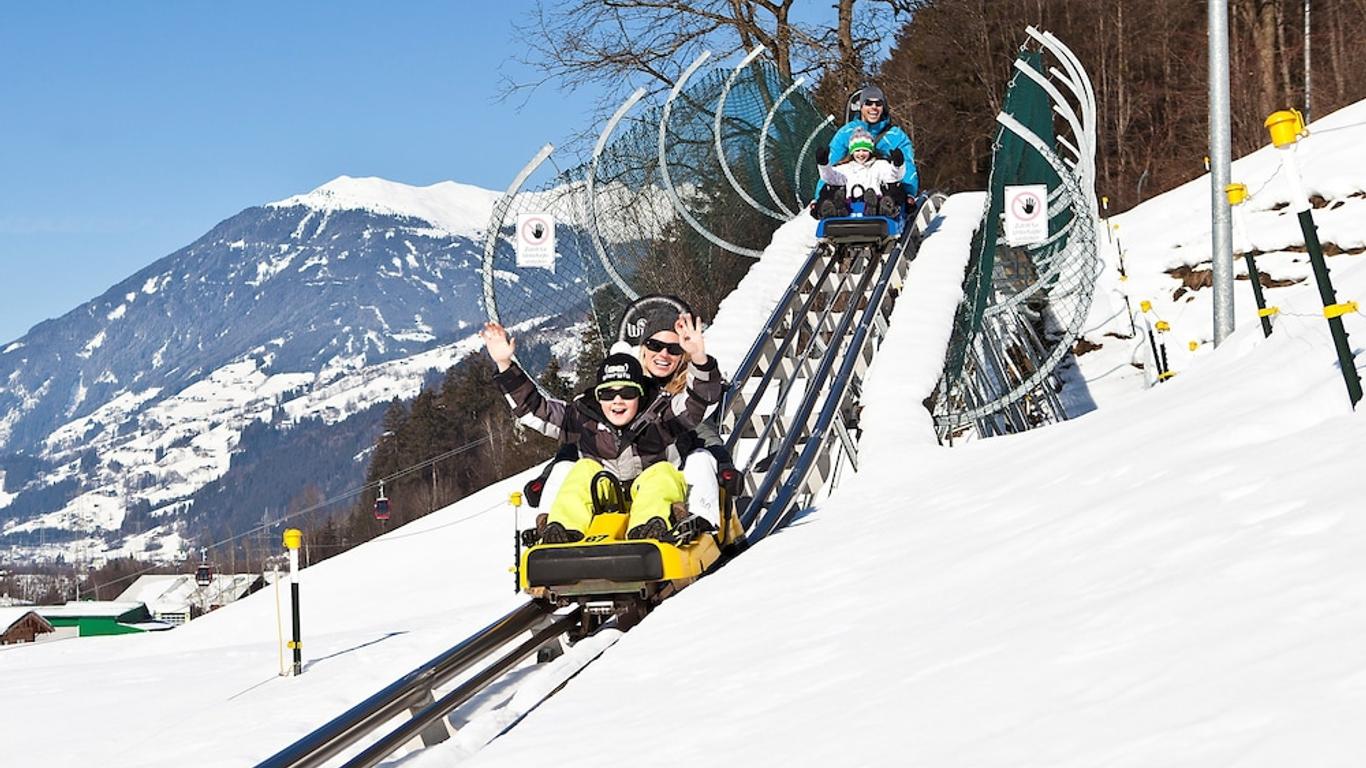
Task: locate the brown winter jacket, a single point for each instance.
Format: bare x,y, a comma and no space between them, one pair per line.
625,451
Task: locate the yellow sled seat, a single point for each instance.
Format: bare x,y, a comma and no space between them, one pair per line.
606,563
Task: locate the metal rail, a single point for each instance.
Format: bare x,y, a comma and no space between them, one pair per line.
438,709
413,691
794,364
857,352
795,478
790,413
777,320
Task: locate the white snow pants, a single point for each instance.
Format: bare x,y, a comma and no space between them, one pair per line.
704,491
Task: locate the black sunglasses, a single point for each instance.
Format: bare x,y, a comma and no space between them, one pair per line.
872,103
608,394
655,345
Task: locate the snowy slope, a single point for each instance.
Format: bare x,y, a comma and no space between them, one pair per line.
1171,233
1174,579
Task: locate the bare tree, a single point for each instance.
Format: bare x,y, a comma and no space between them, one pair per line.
622,44
1260,17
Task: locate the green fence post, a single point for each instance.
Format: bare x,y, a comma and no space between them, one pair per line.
1286,127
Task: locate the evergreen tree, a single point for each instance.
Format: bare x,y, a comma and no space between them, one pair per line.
554,382
591,354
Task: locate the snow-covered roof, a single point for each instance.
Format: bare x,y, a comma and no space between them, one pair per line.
176,592
107,608
9,616
458,209
149,626
162,592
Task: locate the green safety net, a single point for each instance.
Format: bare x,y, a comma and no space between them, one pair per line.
1020,303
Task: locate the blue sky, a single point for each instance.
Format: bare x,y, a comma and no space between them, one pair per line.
129,129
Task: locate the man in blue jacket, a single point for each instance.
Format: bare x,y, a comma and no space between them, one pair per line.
875,117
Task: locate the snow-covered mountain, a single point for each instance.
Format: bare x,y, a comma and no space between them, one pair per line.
317,306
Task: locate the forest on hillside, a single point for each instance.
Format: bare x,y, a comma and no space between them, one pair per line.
947,70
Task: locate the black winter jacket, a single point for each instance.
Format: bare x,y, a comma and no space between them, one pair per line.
625,451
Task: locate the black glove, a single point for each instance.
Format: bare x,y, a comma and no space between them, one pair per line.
823,155
898,159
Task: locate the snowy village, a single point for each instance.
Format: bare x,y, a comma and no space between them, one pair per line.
776,383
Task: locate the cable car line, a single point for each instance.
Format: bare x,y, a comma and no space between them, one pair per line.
350,493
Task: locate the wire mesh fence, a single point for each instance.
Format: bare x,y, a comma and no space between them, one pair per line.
677,198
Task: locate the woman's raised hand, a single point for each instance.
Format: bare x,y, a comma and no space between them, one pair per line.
501,347
689,330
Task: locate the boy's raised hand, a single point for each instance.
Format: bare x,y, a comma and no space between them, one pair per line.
689,330
501,347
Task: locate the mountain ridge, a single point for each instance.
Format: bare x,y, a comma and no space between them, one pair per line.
314,307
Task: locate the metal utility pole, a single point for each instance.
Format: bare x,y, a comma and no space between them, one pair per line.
1220,141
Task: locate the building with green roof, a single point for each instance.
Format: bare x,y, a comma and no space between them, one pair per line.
101,617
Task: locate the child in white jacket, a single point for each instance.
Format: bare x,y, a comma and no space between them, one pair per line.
863,176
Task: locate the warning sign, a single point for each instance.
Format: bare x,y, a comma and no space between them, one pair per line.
1026,214
536,240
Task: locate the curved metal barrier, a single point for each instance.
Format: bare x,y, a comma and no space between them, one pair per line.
678,197
1024,305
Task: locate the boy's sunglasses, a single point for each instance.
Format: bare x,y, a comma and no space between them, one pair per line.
655,345
608,394
873,103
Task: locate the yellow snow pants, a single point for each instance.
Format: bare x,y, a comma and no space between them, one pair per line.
652,493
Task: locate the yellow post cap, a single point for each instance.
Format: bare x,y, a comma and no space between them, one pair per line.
1146,306
1237,193
1163,326
515,498
1194,345
1338,310
1286,127
293,538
